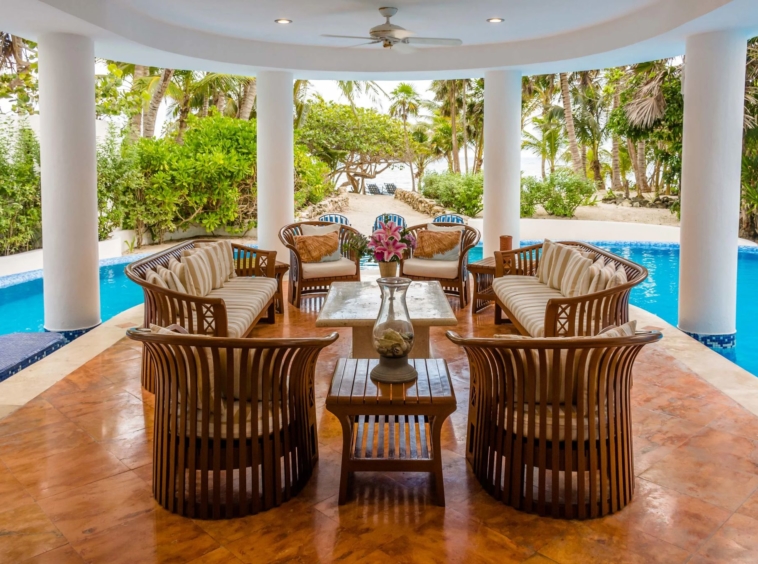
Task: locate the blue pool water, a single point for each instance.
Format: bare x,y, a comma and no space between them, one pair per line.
21,304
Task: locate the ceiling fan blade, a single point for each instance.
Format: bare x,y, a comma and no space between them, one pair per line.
403,48
432,41
362,44
351,37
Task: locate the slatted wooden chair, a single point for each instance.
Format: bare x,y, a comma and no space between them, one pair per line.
385,217
452,275
208,465
335,218
308,279
449,218
549,422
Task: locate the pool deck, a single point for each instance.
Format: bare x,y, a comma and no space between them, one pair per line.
76,471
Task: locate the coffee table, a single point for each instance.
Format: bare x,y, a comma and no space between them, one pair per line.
391,427
356,305
484,273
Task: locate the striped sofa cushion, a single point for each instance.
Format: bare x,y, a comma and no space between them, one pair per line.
526,298
575,269
245,298
152,277
619,278
199,271
171,279
561,256
180,269
626,330
543,269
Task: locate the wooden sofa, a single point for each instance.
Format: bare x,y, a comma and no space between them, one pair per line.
454,278
210,314
316,278
563,317
543,450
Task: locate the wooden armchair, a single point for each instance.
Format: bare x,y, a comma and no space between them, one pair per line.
216,456
577,316
550,429
303,283
453,278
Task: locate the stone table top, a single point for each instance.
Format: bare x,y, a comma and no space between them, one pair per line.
355,304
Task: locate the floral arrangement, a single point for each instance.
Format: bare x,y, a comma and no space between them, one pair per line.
390,242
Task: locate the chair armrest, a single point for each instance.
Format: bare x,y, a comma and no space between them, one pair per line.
589,314
523,261
254,262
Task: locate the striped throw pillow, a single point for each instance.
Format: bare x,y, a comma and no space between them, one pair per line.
180,269
561,256
153,277
229,251
171,279
601,280
216,260
543,268
618,278
626,330
199,271
585,282
575,269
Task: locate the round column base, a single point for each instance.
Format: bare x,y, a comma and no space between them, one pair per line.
722,344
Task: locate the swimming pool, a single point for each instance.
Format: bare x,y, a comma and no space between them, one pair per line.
21,304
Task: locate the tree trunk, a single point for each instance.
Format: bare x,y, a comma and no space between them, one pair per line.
568,115
135,126
584,158
635,166
220,102
248,99
17,44
206,105
454,129
598,173
615,156
182,125
148,129
543,167
465,132
643,165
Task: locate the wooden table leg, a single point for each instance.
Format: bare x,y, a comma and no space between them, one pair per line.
347,435
439,483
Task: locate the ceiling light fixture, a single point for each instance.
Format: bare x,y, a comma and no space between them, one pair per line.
495,20
283,21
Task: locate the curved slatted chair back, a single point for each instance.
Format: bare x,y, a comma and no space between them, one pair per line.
335,218
385,217
581,315
373,189
390,188
299,286
550,428
449,218
235,421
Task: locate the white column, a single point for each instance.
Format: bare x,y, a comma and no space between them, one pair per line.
276,159
69,182
502,157
714,90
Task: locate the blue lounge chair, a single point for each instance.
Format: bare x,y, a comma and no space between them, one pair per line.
373,189
390,189
385,217
335,218
449,218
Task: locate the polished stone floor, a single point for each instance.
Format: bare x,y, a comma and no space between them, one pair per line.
75,473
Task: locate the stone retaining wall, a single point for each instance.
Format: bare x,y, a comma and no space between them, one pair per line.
335,204
419,203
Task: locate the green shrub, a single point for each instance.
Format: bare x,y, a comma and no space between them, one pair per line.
560,193
460,192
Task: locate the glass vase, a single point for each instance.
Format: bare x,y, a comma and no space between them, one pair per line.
393,333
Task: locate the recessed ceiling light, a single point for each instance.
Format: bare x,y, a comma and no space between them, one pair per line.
283,21
495,20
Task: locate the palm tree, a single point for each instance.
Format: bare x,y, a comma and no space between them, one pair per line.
549,142
576,158
591,119
406,102
445,93
158,90
249,93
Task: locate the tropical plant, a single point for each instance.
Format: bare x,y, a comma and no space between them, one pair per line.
390,242
406,103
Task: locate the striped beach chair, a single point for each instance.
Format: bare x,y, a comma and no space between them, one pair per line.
335,218
449,218
385,217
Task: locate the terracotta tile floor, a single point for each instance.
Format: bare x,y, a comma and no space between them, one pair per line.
75,473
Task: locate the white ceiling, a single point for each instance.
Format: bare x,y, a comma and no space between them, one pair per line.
462,19
240,36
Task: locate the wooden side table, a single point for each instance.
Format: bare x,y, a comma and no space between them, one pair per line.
280,270
484,273
391,427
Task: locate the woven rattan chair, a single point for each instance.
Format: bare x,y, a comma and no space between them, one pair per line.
206,464
457,282
299,284
549,421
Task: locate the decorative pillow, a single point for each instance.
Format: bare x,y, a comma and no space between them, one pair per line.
543,269
561,256
618,278
438,245
585,282
575,269
435,227
180,269
199,271
226,245
602,279
588,254
215,257
171,279
626,330
320,229
170,330
318,248
218,256
153,277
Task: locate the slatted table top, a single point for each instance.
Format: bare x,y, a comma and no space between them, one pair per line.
483,266
352,386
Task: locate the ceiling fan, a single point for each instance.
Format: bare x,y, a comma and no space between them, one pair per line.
391,35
